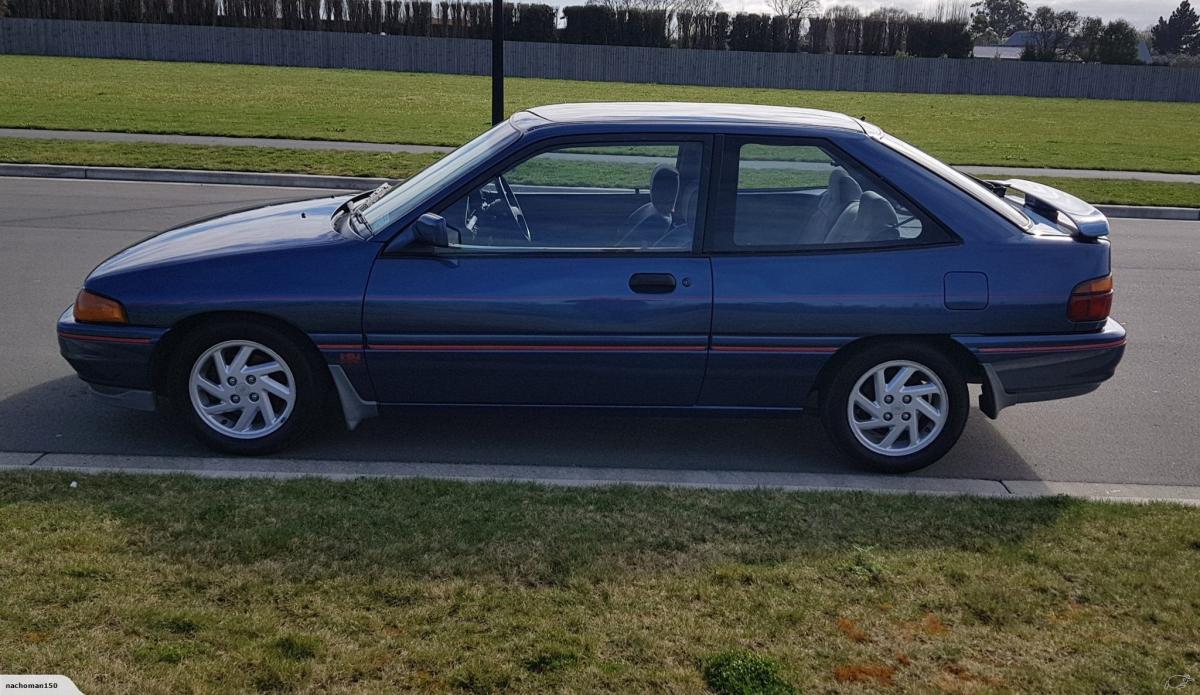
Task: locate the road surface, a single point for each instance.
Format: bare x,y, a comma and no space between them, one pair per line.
1141,427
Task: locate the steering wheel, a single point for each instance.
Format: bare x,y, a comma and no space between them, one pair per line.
484,210
514,208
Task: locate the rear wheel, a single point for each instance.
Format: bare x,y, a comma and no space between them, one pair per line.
896,408
245,388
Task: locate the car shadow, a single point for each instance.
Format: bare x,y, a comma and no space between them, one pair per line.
60,416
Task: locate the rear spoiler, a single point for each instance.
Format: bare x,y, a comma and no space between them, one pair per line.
1051,202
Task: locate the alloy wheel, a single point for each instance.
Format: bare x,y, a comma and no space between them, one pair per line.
898,408
242,389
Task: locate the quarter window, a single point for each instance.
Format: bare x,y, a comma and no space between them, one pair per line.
806,196
633,196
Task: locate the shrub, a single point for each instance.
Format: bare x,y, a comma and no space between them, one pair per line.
741,672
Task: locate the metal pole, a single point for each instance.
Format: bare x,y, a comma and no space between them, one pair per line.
497,61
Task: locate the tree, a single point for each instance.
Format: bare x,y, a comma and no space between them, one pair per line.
1119,43
1050,33
794,8
1086,45
1004,17
1178,34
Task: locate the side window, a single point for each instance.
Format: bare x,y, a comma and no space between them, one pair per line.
806,196
629,196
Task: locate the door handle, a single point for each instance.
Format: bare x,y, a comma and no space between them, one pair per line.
652,283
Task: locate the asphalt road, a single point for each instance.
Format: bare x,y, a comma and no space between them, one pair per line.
1141,427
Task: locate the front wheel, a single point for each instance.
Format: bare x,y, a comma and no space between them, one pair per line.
244,388
896,408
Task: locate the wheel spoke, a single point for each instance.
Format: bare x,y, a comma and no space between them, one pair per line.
221,408
269,384
220,365
919,390
267,407
880,385
247,417
872,424
214,390
900,379
238,365
929,411
866,404
258,370
914,432
891,437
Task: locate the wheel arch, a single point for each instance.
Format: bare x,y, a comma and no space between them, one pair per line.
161,358
955,351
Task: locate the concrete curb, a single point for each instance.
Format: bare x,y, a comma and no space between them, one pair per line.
287,469
1150,213
246,178
240,178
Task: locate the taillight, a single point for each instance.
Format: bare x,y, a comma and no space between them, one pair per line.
1091,300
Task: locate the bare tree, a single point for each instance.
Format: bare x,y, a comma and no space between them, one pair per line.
794,8
692,6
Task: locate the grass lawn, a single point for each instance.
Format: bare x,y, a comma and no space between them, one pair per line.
169,584
350,163
161,97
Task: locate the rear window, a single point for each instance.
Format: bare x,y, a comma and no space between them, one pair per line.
965,183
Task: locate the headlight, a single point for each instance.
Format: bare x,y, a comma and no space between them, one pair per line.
93,308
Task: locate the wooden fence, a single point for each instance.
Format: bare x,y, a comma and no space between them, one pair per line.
596,63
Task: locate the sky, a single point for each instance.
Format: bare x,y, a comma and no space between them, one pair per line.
1139,13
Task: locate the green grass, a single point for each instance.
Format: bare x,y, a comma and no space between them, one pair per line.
350,163
220,158
169,584
161,97
1123,192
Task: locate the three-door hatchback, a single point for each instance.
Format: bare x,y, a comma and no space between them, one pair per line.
633,255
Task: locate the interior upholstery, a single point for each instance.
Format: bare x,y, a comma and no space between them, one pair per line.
842,192
652,220
872,218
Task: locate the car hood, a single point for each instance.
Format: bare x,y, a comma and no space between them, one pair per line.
262,229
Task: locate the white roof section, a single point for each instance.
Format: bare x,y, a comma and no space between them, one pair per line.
667,112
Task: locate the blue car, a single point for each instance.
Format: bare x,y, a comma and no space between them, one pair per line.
625,255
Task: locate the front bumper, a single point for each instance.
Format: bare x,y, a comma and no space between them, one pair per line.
1025,369
115,361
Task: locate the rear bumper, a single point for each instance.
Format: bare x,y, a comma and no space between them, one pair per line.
115,361
1025,369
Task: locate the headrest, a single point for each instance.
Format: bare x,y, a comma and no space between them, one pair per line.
876,217
686,203
664,187
842,187
687,162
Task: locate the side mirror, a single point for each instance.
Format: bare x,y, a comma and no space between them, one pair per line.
432,229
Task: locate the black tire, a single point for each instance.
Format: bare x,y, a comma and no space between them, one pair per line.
835,402
310,384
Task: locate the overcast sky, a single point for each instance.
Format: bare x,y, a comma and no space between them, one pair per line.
1139,13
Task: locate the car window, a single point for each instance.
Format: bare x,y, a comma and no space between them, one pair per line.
627,196
806,195
401,199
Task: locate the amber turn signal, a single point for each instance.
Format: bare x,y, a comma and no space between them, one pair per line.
1091,300
93,308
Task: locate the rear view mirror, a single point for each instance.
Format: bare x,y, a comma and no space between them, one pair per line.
432,229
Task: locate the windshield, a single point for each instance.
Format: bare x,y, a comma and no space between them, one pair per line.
968,184
399,201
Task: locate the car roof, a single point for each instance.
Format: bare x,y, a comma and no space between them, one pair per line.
660,113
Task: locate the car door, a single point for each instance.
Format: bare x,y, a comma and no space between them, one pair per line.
574,281
810,250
